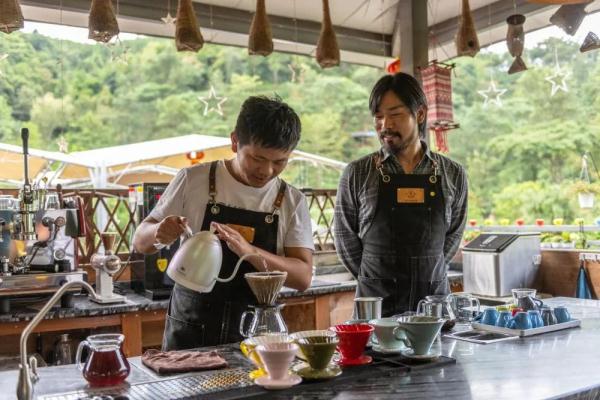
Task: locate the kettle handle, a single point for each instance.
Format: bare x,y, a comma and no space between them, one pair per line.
237,266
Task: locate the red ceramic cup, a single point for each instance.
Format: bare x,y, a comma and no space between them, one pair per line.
353,340
539,222
520,222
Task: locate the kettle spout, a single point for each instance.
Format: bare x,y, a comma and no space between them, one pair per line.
237,266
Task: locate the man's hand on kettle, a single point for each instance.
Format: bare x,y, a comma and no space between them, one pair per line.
169,229
235,241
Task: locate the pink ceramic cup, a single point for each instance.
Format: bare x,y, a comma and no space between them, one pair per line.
277,358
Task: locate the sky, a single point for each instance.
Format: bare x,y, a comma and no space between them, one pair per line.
590,23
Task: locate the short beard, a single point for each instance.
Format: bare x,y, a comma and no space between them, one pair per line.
394,148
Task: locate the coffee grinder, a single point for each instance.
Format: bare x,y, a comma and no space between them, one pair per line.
106,265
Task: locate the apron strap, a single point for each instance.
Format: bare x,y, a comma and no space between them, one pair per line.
386,178
277,203
212,188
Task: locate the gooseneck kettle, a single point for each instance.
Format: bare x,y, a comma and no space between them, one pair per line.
197,262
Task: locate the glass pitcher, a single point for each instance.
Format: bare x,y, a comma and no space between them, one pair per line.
106,365
465,306
438,306
265,320
525,299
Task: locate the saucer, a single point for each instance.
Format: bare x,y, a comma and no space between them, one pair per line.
306,372
275,384
388,351
409,353
362,360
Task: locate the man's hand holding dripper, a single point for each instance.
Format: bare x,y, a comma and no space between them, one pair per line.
169,229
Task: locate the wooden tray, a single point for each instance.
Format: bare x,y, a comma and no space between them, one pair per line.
574,323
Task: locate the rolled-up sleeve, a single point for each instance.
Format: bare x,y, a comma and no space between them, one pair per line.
346,222
459,215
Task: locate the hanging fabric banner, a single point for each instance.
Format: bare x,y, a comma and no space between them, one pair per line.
437,85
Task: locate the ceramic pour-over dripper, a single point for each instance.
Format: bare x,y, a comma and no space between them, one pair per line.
266,285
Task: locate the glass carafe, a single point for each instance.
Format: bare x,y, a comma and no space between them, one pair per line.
438,306
265,320
106,365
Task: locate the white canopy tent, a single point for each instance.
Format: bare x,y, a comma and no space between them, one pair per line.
119,166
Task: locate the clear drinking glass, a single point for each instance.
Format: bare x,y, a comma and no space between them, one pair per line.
63,351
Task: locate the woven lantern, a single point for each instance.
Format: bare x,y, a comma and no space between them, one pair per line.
187,31
328,52
11,17
591,42
467,43
102,25
260,40
437,85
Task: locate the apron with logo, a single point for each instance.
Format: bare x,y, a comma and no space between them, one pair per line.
403,249
207,319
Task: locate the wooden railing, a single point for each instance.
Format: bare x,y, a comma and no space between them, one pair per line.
109,210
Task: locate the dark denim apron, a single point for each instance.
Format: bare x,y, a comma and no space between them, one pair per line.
209,319
403,249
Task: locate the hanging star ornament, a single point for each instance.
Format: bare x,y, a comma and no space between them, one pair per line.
559,76
169,20
118,51
492,94
2,58
213,102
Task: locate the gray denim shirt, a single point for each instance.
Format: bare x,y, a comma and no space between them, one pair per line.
356,201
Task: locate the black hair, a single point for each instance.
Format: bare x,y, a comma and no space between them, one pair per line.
268,122
407,88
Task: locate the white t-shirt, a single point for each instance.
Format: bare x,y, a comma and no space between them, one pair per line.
187,196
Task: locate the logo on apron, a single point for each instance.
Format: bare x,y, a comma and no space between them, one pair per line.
410,195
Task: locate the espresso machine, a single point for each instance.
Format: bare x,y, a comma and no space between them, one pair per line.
38,235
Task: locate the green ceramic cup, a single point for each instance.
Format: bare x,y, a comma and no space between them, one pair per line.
318,350
421,331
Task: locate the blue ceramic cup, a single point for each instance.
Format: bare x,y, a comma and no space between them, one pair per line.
503,319
522,320
562,314
489,316
536,318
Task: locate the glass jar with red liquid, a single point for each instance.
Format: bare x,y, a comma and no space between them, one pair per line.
106,365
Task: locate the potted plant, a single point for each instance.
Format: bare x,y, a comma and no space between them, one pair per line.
586,193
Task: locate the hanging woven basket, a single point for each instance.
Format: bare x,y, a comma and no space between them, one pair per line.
467,43
102,25
328,52
187,32
11,17
260,39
